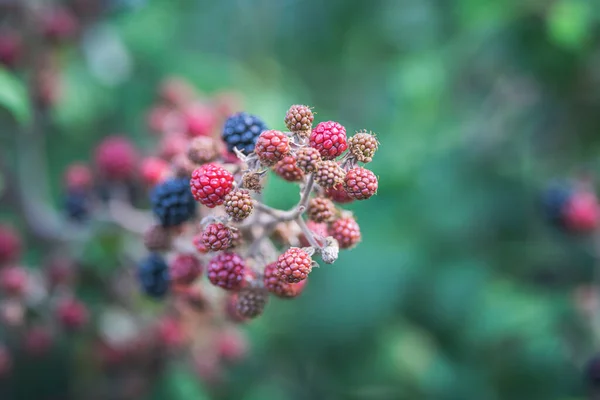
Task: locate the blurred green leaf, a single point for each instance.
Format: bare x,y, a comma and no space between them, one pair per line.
14,97
569,23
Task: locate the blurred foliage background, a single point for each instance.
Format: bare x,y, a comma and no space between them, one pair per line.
459,289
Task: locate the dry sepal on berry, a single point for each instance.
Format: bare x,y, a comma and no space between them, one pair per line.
274,284
238,204
308,159
329,174
329,138
210,184
251,302
252,181
360,183
346,231
227,271
320,209
363,146
294,265
299,119
271,147
287,169
217,237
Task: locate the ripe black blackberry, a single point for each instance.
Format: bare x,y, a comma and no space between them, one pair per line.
241,131
172,201
77,205
153,274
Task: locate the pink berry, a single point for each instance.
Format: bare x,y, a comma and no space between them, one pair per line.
360,183
200,120
78,177
153,170
227,270
294,265
73,314
116,158
346,231
582,212
274,284
329,138
184,269
210,184
271,147
10,245
13,280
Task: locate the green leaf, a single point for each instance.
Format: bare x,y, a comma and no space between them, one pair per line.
569,23
13,97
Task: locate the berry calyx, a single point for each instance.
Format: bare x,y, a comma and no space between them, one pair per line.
116,158
210,184
241,131
360,183
251,302
252,181
320,209
172,202
299,119
329,174
238,204
363,146
287,169
217,237
294,265
271,147
308,159
184,269
274,284
227,271
329,138
346,231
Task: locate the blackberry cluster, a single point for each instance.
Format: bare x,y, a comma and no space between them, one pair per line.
172,202
241,131
153,274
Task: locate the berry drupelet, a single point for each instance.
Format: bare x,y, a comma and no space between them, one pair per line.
241,131
172,202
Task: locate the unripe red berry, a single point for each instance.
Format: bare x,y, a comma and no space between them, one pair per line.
10,48
170,333
271,146
308,159
274,284
78,177
232,345
182,166
346,231
252,181
360,183
363,146
329,138
238,204
582,212
184,269
338,194
200,120
157,238
172,144
176,91
251,302
202,149
163,119
198,243
5,362
210,184
10,245
37,341
294,265
299,119
59,24
319,230
288,170
116,158
13,280
217,237
72,314
329,174
153,170
227,270
231,309
320,209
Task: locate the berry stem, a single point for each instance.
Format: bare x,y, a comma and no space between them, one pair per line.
308,234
